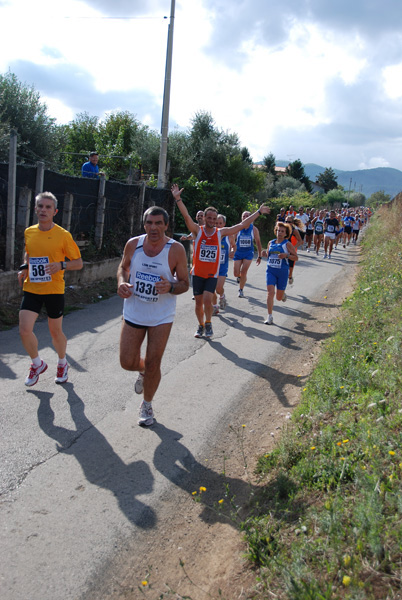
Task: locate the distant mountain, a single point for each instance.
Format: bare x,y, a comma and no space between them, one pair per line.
367,181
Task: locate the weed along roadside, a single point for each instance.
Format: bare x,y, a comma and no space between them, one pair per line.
328,522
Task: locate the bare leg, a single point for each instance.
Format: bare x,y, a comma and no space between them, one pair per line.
28,338
199,308
208,306
58,338
270,298
131,339
156,344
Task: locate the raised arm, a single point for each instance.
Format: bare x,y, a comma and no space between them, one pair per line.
191,226
263,210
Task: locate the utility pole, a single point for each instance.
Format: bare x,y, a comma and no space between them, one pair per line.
166,101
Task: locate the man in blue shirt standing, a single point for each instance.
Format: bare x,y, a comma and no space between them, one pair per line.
90,169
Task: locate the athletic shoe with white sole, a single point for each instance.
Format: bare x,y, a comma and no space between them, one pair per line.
241,294
200,331
139,384
62,374
284,298
146,415
291,280
269,320
208,330
215,310
34,373
222,302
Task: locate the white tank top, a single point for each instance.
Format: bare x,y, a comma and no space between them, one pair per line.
145,306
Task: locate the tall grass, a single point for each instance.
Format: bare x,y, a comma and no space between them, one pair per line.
329,523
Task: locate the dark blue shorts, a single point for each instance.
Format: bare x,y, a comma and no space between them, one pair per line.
204,284
279,279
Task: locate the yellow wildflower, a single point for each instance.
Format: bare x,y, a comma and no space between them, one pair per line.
346,560
391,452
220,501
345,441
194,493
346,580
203,489
342,458
342,387
312,448
144,583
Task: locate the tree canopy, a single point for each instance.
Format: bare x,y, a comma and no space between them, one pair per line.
21,108
327,180
296,170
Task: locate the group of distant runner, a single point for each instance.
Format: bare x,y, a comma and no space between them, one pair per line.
153,271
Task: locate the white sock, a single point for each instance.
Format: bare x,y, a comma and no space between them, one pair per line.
147,404
37,361
62,361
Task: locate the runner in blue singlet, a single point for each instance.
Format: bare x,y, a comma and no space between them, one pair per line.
279,252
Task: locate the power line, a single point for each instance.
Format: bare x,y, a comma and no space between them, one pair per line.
118,18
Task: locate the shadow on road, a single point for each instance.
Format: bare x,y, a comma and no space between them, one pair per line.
175,462
276,379
101,465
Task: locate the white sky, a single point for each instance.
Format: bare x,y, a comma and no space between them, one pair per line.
308,79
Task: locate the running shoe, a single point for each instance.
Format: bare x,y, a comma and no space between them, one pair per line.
146,415
344,245
200,331
269,320
62,374
215,311
284,298
325,255
241,294
222,302
291,280
34,373
329,256
308,249
238,279
139,384
208,330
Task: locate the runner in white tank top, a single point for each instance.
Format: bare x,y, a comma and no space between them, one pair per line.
152,272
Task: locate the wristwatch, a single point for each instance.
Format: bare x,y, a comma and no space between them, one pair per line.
63,265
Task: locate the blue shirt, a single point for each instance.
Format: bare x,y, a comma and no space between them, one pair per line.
90,170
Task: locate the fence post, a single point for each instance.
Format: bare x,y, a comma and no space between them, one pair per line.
11,188
23,211
40,176
67,210
100,212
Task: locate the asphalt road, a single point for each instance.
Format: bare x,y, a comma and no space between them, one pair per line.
77,474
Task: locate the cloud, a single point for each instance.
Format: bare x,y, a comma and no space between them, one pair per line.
127,8
270,23
75,87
